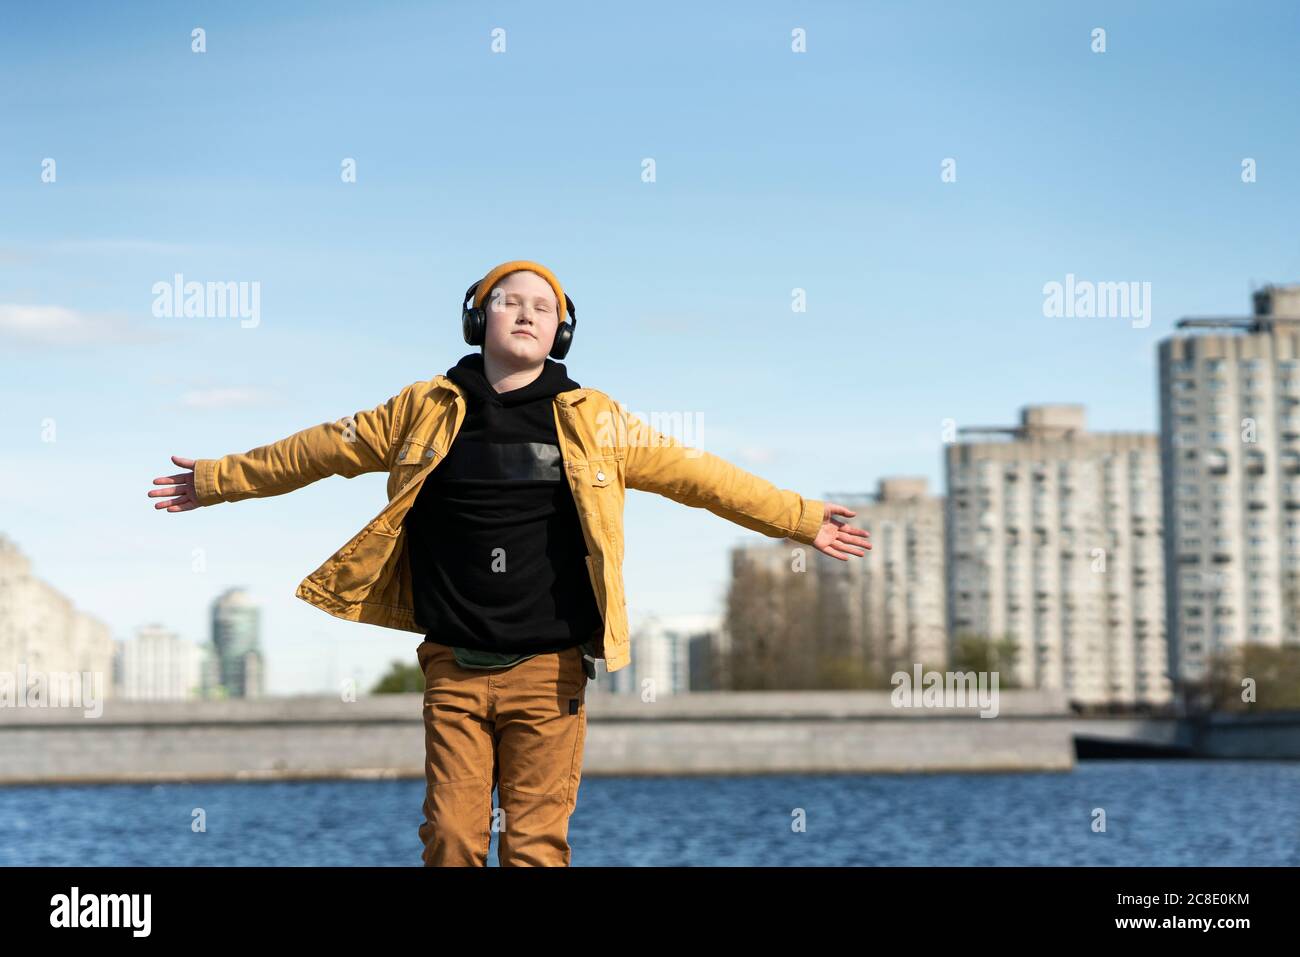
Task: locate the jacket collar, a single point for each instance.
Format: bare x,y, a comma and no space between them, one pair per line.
572,397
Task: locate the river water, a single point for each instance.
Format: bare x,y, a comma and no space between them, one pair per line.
1156,813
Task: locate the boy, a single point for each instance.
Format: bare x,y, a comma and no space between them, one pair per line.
502,544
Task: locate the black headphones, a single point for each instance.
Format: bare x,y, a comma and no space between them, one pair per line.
473,323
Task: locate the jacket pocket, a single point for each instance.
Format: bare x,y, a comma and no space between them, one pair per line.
606,492
412,458
362,568
602,473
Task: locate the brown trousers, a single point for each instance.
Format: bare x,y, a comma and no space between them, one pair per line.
519,730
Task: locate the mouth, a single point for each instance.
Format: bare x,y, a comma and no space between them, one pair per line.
523,332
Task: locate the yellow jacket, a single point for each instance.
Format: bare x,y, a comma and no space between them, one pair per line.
605,450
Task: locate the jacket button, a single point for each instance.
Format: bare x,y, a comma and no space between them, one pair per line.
428,454
600,476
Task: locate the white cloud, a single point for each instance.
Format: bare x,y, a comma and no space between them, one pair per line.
58,327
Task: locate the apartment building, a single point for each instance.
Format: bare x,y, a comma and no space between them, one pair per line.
1230,448
42,631
891,603
158,665
1053,539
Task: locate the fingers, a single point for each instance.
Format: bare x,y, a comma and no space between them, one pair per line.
173,496
179,490
171,492
846,544
842,541
851,535
845,526
167,492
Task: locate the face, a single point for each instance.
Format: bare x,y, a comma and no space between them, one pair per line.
522,317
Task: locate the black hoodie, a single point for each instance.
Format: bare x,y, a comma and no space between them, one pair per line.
496,548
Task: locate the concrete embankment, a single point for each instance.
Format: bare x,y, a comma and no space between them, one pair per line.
803,732
700,733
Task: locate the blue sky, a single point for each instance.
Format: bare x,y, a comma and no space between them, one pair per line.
775,171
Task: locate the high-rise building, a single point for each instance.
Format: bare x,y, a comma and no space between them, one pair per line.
238,652
891,602
674,652
42,632
1054,542
1230,446
159,665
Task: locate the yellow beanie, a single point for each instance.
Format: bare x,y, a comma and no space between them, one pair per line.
517,265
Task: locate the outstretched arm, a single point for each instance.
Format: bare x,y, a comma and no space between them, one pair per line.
659,463
352,445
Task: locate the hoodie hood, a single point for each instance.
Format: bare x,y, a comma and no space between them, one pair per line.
469,374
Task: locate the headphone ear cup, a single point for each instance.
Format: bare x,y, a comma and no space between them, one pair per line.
473,320
563,339
473,325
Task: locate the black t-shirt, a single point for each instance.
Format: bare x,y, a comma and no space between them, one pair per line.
496,549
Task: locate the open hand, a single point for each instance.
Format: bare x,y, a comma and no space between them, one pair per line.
838,539
180,496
